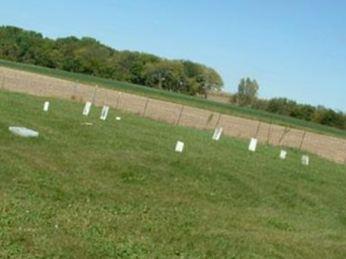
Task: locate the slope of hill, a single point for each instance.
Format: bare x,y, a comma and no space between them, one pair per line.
181,99
116,188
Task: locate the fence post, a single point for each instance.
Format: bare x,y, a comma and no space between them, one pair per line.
180,114
302,141
94,95
145,107
118,101
210,118
258,128
218,120
2,81
286,130
74,96
269,133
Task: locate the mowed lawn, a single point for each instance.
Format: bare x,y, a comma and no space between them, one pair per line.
118,189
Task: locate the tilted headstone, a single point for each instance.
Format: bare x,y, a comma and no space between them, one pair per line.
305,160
283,154
87,108
217,134
104,113
179,147
46,106
24,132
253,145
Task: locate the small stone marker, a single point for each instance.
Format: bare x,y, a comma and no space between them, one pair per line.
86,109
217,134
104,113
179,147
253,145
24,132
118,118
305,160
46,106
283,154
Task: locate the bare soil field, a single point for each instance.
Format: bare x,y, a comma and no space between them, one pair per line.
329,147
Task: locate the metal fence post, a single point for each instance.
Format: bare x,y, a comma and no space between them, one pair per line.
94,95
218,120
118,101
269,133
145,106
3,82
180,114
258,128
302,141
286,130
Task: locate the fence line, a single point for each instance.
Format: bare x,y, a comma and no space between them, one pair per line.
328,147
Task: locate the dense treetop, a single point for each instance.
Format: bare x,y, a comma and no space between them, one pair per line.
87,55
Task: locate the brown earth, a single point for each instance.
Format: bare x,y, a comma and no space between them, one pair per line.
328,147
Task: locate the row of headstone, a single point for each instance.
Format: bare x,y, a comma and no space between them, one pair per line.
283,153
86,110
305,160
104,112
179,147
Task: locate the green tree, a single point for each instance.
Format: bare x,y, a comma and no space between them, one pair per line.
247,92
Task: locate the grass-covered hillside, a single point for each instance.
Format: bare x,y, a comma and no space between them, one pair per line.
225,108
118,189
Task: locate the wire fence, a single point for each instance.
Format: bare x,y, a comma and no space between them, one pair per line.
328,147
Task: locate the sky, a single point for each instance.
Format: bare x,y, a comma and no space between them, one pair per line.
294,49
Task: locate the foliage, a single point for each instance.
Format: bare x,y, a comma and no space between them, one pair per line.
247,96
226,108
117,190
88,56
305,112
247,92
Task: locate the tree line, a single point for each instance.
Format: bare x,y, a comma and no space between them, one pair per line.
247,96
88,56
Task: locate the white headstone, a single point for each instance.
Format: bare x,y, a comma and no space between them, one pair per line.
217,134
46,106
104,113
24,132
253,145
86,109
179,147
305,160
283,154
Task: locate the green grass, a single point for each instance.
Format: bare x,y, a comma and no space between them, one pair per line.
117,189
180,98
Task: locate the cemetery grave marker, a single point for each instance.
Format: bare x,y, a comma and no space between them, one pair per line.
24,132
104,113
86,109
46,106
283,154
253,145
217,134
305,160
179,147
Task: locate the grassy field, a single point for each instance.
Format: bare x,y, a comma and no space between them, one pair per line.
117,189
180,98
